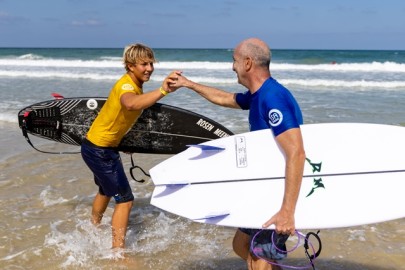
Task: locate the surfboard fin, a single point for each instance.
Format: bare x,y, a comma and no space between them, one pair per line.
206,147
177,185
171,188
218,215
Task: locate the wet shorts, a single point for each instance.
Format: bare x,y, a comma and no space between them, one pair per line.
262,244
109,174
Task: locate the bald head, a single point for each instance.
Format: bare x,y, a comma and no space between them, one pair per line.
257,50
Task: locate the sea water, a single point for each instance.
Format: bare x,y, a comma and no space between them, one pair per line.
45,200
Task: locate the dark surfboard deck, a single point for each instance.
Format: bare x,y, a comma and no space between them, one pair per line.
161,129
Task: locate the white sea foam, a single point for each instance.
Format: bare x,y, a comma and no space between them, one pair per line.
8,117
83,244
58,74
211,79
30,56
344,67
342,84
51,197
195,65
12,256
360,84
80,245
30,60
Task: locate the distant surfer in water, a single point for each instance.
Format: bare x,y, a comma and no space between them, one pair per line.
124,105
271,106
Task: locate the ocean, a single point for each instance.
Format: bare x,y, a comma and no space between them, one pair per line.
45,200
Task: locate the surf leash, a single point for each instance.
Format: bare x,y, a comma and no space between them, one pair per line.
311,255
139,168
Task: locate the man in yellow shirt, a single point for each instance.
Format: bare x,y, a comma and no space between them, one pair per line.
124,105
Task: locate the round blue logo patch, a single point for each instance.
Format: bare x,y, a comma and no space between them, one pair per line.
275,117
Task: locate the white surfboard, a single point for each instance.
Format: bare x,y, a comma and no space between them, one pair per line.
354,175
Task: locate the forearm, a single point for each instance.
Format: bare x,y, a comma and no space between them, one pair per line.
292,145
293,179
134,102
284,219
214,95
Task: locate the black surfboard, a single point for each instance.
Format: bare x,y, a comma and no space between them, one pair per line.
161,129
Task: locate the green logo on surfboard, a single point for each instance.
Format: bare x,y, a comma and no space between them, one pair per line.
316,167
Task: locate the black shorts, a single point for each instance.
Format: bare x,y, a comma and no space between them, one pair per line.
109,174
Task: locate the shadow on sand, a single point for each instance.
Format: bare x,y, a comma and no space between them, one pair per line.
320,264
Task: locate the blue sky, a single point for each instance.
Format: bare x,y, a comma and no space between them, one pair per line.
284,24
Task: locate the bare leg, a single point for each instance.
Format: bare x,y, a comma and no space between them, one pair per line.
120,223
241,244
100,204
259,264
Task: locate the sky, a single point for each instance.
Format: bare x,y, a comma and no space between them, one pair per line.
283,24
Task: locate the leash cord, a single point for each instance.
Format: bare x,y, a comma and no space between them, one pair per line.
308,244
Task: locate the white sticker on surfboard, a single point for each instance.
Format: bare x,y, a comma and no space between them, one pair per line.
241,154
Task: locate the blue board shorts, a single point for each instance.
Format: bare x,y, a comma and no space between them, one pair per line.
109,174
263,246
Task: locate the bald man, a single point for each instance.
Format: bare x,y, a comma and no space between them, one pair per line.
271,106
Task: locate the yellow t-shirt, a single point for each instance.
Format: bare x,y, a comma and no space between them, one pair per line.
114,120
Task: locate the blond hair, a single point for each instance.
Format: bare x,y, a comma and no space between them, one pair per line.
137,53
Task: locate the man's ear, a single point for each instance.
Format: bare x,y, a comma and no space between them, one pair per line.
130,66
248,62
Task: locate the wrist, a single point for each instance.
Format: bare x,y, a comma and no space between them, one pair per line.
163,91
192,85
